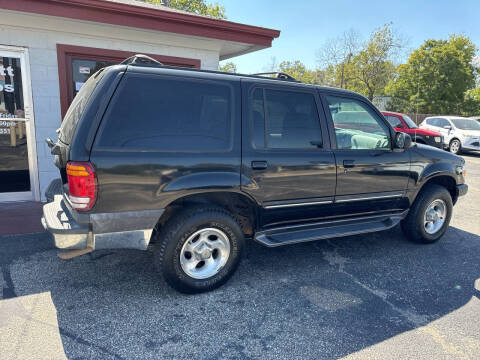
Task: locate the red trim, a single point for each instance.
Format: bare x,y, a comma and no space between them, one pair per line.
65,53
109,12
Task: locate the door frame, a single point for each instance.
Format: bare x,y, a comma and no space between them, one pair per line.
34,193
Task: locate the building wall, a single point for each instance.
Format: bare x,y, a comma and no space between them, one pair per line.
40,34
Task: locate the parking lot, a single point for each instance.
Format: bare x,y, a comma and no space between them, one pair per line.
361,297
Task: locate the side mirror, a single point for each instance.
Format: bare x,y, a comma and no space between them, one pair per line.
402,140
448,127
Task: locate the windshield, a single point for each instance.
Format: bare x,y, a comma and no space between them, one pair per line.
410,123
466,124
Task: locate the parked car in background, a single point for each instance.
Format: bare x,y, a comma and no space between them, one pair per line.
403,123
458,133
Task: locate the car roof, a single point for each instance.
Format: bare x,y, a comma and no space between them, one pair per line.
448,117
212,74
392,113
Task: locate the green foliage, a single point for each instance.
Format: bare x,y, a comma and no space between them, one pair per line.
229,67
298,70
436,77
199,7
471,105
371,69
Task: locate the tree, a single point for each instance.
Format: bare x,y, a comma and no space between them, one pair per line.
199,7
299,71
337,53
437,76
471,104
372,68
229,67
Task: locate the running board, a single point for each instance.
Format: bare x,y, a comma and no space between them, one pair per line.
327,230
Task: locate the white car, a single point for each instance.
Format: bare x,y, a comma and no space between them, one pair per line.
458,133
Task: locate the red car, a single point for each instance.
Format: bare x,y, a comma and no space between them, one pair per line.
402,123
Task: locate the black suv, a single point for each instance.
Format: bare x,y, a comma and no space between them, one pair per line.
196,162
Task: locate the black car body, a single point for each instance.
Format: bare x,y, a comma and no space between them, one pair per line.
157,141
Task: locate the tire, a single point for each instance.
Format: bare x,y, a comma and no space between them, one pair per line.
210,229
455,146
415,224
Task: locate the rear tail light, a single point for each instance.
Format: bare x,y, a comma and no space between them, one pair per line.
82,185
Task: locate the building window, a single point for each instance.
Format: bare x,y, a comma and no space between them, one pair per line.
76,64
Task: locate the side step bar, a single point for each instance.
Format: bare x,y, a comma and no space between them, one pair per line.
327,230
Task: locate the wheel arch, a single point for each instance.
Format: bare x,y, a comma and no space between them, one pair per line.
239,204
455,138
443,179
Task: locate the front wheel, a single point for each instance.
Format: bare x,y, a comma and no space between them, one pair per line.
429,216
455,146
199,249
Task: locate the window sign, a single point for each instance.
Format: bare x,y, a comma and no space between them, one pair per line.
14,169
82,69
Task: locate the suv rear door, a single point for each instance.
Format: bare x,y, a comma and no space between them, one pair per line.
371,176
287,164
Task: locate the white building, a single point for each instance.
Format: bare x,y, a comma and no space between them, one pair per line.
48,48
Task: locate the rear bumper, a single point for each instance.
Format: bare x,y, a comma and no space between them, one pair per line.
58,221
462,189
120,230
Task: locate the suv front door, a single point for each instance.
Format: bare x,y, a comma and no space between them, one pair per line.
287,164
371,176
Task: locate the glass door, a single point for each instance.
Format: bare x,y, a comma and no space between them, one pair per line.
18,170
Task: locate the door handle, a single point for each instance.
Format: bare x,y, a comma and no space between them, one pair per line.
348,164
259,165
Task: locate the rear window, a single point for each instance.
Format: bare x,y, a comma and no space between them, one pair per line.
156,113
77,107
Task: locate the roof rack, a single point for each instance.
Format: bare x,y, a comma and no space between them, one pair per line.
278,75
140,59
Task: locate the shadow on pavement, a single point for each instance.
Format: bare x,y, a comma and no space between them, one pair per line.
324,299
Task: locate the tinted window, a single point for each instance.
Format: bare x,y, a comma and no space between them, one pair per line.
75,110
356,126
289,120
394,121
432,122
158,113
258,118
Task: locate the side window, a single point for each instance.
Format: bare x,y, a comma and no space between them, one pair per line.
433,122
442,122
356,127
161,114
394,121
284,120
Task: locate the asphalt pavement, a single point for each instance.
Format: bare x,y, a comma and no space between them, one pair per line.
374,296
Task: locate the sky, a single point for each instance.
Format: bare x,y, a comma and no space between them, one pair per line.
306,24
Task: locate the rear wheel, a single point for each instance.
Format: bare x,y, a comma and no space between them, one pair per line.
199,249
429,216
455,146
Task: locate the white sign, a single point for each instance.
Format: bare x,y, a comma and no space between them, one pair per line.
84,70
6,87
6,71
